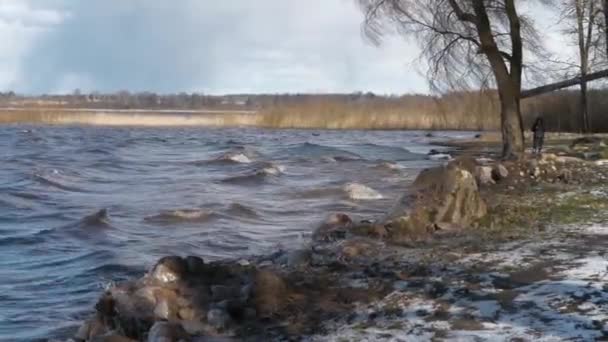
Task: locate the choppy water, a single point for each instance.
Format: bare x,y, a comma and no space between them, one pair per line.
84,206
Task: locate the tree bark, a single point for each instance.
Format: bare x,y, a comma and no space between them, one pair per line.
509,84
606,24
584,110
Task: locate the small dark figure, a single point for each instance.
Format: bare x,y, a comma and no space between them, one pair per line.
539,135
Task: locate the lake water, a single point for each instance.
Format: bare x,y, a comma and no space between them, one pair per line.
81,207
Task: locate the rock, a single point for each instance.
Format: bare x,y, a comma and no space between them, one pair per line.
483,175
187,314
447,195
298,258
196,327
169,269
195,265
270,293
568,160
111,337
223,292
166,332
91,328
565,176
499,172
535,172
586,143
162,311
333,228
218,318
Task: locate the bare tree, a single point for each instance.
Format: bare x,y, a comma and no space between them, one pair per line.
464,42
582,18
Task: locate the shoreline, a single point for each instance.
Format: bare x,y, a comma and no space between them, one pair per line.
358,280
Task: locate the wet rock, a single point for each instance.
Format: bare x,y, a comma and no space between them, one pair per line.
166,308
223,292
298,258
270,293
91,328
195,265
166,332
169,269
111,337
335,227
218,318
196,327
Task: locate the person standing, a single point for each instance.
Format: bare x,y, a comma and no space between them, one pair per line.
539,135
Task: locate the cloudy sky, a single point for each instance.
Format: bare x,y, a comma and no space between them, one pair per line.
211,46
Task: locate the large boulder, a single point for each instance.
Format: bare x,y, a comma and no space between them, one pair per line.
446,196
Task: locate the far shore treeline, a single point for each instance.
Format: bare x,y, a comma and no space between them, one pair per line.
453,111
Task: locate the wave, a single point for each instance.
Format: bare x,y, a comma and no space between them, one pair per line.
54,180
315,151
181,215
253,178
270,168
390,166
240,210
265,171
356,191
99,219
372,151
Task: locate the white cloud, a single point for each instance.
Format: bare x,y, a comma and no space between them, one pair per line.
21,25
196,45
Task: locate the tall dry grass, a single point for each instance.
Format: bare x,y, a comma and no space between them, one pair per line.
455,111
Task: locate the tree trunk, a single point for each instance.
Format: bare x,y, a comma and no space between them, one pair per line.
511,123
606,24
508,84
563,84
584,107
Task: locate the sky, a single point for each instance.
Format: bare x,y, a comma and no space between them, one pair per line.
208,46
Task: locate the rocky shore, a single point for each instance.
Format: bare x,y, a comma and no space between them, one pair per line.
477,249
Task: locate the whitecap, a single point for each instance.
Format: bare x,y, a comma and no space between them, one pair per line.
440,156
238,158
274,170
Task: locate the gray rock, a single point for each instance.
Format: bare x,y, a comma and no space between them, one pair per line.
483,175
166,332
218,318
223,292
298,258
